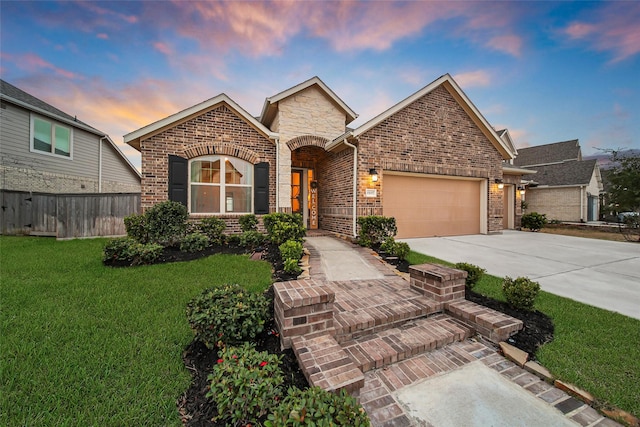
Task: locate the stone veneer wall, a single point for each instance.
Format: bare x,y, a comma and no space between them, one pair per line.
433,135
218,129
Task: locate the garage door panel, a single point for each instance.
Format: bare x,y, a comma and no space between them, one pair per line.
425,207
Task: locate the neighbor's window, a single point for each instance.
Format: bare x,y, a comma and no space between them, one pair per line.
50,137
220,184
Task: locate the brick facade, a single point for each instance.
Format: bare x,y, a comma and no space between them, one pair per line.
562,204
215,131
433,135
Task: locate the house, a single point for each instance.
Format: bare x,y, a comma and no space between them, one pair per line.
566,187
43,149
432,161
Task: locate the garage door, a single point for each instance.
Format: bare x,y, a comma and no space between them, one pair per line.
426,207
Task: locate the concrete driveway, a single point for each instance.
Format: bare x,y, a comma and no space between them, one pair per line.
597,272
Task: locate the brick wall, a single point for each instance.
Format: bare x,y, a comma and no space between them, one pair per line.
336,192
433,135
215,131
557,203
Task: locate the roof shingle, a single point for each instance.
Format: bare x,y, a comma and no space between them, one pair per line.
566,173
548,153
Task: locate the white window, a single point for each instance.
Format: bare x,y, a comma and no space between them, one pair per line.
50,137
219,184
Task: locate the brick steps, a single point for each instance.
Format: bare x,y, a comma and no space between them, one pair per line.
399,343
353,324
494,325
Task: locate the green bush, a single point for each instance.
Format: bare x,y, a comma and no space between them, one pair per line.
534,221
194,242
126,249
248,222
397,249
213,227
521,292
474,273
291,266
252,239
376,229
227,315
291,249
166,223
282,227
245,384
136,226
317,407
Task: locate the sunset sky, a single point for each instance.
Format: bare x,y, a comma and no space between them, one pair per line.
547,71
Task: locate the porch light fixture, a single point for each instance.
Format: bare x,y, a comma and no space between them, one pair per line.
374,174
500,183
521,188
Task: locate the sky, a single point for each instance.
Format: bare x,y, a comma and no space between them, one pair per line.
547,71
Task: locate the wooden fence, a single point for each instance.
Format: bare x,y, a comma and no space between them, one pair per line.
66,216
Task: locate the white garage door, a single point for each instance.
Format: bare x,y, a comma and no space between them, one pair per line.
427,207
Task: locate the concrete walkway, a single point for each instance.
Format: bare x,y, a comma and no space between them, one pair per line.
464,383
601,273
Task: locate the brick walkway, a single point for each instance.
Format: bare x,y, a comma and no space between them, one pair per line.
375,337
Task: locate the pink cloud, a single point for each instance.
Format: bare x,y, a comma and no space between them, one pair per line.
34,63
510,44
103,36
611,28
473,79
163,48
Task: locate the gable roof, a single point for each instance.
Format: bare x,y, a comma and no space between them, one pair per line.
271,104
134,138
14,95
452,87
546,154
574,172
506,137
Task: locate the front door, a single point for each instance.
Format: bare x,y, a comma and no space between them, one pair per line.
297,196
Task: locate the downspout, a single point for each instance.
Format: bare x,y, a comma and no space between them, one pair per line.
355,182
277,140
582,203
100,164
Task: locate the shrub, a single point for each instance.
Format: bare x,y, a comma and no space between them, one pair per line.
248,222
245,384
534,221
521,292
474,273
291,266
397,249
166,223
291,249
317,407
282,227
376,229
126,249
252,239
194,242
213,227
228,314
136,226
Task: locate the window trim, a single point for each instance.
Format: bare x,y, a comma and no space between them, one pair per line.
222,185
54,124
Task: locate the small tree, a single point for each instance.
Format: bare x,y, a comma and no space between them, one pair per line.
624,176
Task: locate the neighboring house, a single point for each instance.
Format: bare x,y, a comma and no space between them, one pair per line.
565,187
432,161
45,150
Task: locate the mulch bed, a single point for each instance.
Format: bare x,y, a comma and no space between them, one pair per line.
196,410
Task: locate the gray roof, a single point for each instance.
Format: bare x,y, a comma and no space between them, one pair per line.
566,173
12,93
548,153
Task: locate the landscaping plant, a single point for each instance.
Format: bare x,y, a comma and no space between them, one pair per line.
291,252
282,227
376,229
396,249
252,239
474,273
128,250
213,228
227,315
245,384
136,227
534,221
194,242
520,292
317,407
248,222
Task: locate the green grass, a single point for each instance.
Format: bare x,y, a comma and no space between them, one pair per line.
83,344
595,349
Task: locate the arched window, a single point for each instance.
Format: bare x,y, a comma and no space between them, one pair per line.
220,184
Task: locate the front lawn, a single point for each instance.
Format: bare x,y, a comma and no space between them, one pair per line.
595,349
83,344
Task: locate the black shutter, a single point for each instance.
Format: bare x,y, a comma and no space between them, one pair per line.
261,188
178,179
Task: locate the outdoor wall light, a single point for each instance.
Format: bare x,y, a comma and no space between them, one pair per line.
374,174
500,183
521,188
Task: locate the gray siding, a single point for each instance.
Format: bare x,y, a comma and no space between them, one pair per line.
115,169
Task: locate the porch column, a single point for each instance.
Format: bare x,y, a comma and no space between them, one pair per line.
284,178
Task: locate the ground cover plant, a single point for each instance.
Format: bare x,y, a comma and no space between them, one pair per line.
595,349
85,344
